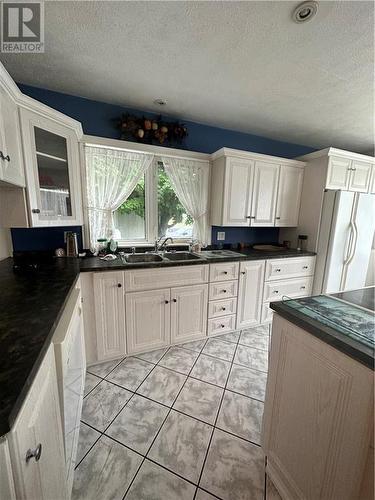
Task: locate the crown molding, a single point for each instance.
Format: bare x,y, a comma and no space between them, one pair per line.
24,101
337,152
237,153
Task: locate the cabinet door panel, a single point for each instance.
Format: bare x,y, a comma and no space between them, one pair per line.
109,314
53,173
372,183
289,196
360,176
266,176
10,145
338,174
250,293
148,320
318,396
189,312
237,192
39,422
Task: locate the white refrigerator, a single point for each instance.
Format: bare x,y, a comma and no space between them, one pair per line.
345,241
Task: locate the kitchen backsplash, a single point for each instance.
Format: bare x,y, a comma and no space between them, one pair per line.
248,235
42,238
50,238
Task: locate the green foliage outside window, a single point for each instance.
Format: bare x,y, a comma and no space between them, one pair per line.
170,210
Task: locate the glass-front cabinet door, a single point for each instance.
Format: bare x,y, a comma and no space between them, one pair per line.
52,171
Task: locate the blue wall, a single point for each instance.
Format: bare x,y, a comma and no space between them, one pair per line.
99,119
249,235
43,238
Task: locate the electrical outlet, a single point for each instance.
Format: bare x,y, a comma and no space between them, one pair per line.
220,236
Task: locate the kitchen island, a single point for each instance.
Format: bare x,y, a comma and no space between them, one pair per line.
318,419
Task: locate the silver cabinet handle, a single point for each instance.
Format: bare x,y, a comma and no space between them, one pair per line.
37,453
278,270
303,287
35,211
277,218
305,267
276,291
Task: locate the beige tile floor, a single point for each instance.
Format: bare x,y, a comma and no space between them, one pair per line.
181,423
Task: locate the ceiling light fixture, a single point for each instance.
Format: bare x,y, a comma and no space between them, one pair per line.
305,11
160,102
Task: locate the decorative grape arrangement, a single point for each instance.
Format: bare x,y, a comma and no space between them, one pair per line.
151,131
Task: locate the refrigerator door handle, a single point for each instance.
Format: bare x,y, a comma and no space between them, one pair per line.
349,242
350,252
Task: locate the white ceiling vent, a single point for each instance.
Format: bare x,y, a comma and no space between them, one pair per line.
305,11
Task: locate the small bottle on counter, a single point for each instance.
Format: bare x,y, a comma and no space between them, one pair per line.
302,242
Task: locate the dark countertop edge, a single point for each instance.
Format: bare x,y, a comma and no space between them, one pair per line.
30,379
116,265
344,344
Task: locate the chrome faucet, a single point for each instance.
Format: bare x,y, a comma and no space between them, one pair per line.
158,246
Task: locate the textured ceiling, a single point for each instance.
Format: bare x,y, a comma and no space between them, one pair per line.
240,65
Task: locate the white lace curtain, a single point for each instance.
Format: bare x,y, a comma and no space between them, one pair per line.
111,175
189,179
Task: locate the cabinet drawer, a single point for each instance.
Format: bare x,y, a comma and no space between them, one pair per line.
150,279
221,325
289,268
222,307
298,287
224,271
223,290
267,313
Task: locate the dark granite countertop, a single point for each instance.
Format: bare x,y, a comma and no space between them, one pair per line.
205,257
30,308
31,304
345,325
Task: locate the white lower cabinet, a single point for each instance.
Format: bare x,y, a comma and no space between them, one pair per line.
318,418
109,314
224,324
148,319
250,293
188,312
144,309
36,440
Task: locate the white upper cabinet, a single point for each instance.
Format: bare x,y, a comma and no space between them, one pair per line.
349,174
237,192
338,174
245,189
289,196
360,176
372,182
51,154
266,176
11,161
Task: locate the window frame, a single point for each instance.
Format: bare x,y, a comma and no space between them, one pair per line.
151,212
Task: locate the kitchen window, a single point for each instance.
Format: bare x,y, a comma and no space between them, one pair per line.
153,210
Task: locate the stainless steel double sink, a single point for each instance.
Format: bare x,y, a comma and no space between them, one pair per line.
140,258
